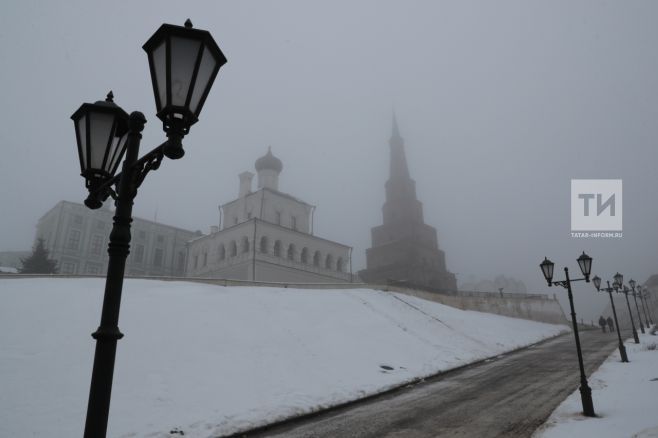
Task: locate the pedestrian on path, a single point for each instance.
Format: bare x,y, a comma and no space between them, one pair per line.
602,323
611,324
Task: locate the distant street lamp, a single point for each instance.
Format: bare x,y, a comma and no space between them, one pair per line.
620,288
184,63
585,264
631,282
645,306
597,284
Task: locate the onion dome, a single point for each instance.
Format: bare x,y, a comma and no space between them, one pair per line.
269,162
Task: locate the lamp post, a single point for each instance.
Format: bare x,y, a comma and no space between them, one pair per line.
618,284
597,284
184,63
631,282
585,264
643,298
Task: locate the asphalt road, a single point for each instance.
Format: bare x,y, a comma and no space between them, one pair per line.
509,396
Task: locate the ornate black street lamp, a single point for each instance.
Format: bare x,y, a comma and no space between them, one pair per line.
631,282
649,299
597,284
647,315
585,264
184,63
619,287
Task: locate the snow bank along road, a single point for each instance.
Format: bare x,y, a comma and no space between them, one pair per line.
209,361
509,396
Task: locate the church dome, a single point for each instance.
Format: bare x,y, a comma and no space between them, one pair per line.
269,161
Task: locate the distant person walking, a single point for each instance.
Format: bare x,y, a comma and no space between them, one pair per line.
602,323
611,324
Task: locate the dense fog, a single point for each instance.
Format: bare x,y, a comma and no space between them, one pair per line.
500,105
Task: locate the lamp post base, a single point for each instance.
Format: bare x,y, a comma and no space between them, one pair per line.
586,397
622,352
635,337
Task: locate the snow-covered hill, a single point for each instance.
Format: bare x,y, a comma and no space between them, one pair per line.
212,360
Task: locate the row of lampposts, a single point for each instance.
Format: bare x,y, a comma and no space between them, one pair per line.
585,264
184,63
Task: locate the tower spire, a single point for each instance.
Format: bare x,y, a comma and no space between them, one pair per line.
398,169
395,132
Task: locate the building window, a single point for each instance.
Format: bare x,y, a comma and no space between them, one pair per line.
293,223
180,266
249,215
96,244
263,244
245,245
139,254
160,238
74,239
78,219
196,261
100,225
291,252
141,234
93,269
157,257
277,217
328,262
316,258
304,256
68,268
205,259
339,264
234,249
221,252
277,248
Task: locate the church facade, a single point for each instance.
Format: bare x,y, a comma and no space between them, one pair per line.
267,235
404,248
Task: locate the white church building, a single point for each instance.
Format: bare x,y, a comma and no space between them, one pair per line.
267,235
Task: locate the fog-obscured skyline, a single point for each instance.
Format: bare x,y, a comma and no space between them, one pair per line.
500,105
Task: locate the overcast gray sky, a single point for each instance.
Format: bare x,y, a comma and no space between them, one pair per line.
501,104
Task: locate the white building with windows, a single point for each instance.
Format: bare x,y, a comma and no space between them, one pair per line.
77,238
267,235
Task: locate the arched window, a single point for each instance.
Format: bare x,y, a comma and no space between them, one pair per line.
221,252
316,258
234,248
205,259
291,252
339,264
277,248
245,244
263,244
328,262
304,256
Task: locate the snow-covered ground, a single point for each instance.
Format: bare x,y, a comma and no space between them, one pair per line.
624,395
210,360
